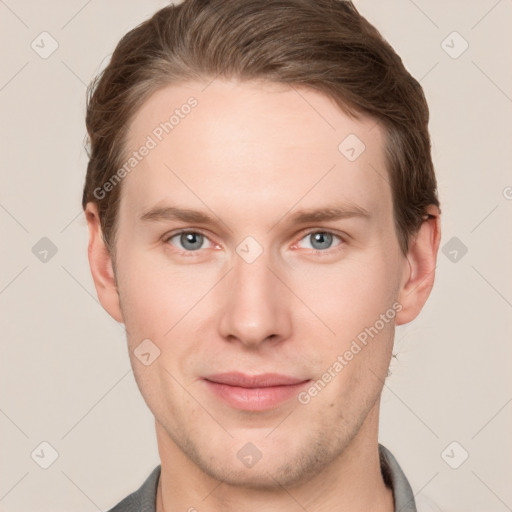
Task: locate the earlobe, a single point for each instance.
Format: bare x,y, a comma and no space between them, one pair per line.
419,271
100,262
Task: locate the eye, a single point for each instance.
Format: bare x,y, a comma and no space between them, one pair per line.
320,241
190,241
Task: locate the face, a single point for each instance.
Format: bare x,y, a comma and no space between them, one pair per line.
231,263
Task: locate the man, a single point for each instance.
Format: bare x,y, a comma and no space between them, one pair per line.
262,212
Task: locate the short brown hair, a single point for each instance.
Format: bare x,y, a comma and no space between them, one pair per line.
322,44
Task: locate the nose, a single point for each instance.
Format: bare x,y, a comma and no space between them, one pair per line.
256,304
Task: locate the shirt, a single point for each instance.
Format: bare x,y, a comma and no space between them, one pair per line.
144,498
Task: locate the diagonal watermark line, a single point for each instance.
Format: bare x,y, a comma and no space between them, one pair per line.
426,484
85,494
287,492
508,508
301,300
485,15
502,296
13,279
282,421
193,397
75,15
5,495
13,217
406,505
14,423
210,82
428,72
300,199
383,177
493,210
410,409
419,284
424,14
491,80
73,73
80,284
375,123
104,395
215,488
93,297
506,403
312,107
200,299
14,76
71,221
12,12
216,216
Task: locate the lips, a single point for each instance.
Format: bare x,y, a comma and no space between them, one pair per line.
254,392
254,381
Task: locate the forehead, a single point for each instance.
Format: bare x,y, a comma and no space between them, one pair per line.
252,147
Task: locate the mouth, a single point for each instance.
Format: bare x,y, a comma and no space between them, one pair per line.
254,392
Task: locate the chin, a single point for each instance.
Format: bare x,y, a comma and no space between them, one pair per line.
279,466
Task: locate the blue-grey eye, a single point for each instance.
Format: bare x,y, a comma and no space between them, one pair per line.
189,240
320,240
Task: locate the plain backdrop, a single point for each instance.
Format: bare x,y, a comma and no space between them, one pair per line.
65,376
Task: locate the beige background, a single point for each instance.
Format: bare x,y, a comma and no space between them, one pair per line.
65,373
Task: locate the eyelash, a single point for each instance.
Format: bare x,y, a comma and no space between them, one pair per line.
318,252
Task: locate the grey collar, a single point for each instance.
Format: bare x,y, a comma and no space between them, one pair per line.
395,478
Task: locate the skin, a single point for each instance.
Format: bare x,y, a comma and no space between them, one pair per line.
252,155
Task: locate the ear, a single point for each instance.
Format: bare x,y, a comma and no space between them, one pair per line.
100,262
419,269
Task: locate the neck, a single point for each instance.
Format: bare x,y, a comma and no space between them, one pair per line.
352,482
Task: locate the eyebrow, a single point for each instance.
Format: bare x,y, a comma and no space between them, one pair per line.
329,213
337,212
166,213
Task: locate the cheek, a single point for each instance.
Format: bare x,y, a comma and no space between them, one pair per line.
347,296
161,301
155,299
150,297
